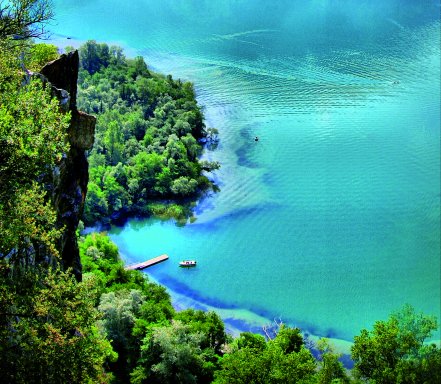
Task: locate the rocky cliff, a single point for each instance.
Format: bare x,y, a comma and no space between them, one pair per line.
71,177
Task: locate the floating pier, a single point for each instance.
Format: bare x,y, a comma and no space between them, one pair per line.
148,263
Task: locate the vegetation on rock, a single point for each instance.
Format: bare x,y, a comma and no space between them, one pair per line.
33,138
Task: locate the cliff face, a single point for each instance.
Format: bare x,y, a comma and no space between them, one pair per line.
70,181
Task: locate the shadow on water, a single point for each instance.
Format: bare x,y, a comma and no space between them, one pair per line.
245,152
203,302
236,326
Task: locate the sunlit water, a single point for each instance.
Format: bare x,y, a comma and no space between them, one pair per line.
332,219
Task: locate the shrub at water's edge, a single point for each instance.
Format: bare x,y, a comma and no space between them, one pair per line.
147,140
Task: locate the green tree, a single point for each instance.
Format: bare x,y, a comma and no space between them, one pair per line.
24,19
138,68
394,351
39,55
115,193
251,341
33,134
184,186
290,368
281,360
288,339
175,149
209,324
95,207
113,142
117,55
47,328
120,310
209,166
245,366
144,168
27,227
192,146
98,253
94,56
163,181
33,137
331,370
171,354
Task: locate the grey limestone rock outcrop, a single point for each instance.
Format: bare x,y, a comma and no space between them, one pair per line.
71,178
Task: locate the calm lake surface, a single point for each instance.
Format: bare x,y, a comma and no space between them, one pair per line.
332,219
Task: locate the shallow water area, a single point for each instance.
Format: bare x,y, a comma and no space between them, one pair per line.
332,219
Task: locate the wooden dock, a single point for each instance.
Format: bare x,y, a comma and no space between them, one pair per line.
148,263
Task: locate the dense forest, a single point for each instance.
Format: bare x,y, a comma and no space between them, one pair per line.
115,326
148,138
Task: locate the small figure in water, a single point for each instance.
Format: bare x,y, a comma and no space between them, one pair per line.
256,139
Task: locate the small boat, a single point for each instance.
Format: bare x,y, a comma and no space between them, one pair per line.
188,263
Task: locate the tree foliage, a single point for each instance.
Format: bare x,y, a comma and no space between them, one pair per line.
147,137
281,360
33,137
39,55
395,352
209,324
171,354
24,19
331,370
47,328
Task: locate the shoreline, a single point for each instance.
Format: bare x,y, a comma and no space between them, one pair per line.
238,320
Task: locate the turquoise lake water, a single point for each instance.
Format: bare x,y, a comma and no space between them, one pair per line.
332,219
